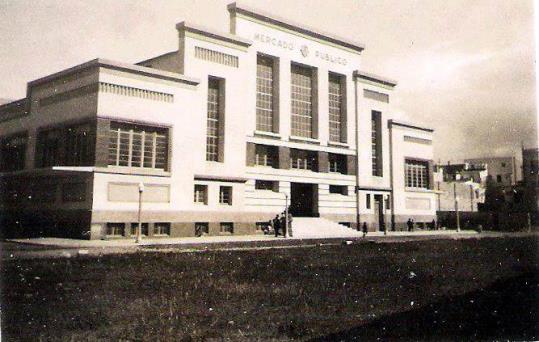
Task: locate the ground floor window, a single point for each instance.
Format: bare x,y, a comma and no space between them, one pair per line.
161,228
143,229
267,185
346,224
338,189
115,229
201,228
227,227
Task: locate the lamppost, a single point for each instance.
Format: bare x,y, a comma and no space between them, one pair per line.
139,227
384,202
286,215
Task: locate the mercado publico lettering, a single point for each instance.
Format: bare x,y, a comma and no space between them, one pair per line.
263,38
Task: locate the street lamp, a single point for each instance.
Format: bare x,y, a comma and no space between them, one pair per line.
286,216
139,227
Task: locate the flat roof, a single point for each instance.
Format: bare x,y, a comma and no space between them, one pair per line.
409,125
375,78
105,63
227,37
297,27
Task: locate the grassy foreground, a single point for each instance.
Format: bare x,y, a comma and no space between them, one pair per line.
462,289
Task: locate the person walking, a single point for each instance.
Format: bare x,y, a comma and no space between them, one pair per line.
364,228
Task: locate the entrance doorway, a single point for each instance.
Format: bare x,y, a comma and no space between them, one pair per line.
379,211
304,199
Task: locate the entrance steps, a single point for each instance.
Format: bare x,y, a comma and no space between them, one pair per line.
317,227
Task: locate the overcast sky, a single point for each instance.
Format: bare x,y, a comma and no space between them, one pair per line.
464,67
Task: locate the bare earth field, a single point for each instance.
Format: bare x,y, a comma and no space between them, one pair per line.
421,290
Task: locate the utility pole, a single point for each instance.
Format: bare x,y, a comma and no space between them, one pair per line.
356,124
139,227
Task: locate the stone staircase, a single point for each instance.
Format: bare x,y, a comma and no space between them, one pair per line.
317,227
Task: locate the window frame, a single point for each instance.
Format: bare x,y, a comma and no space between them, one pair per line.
204,199
225,199
416,173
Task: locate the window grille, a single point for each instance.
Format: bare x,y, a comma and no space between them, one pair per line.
335,108
264,94
376,143
417,175
115,229
138,146
212,137
302,101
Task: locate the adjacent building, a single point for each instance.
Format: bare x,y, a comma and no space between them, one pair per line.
221,133
502,170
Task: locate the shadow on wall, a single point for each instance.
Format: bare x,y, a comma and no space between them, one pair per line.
508,309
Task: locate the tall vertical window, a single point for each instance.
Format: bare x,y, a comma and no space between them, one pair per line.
12,153
264,94
417,173
138,146
302,101
376,143
335,108
78,146
212,134
49,143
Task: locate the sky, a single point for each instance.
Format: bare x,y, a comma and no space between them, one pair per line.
465,68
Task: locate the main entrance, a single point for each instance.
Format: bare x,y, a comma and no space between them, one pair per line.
379,211
304,199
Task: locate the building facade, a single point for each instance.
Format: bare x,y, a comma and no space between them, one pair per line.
502,170
222,133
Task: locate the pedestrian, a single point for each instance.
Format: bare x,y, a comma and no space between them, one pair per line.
283,224
276,225
410,224
364,228
433,224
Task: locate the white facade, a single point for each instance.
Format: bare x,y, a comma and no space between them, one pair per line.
155,94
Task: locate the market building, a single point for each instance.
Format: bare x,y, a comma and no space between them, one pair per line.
222,133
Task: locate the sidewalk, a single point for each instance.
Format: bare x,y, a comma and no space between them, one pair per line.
38,248
126,243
